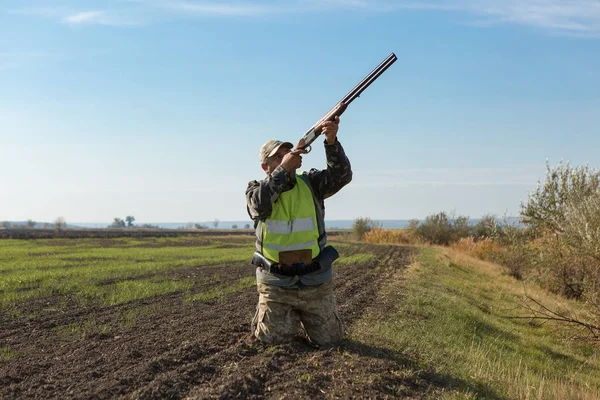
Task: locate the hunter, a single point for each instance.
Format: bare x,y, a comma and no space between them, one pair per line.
294,263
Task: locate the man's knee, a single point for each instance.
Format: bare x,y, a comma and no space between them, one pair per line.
269,337
275,321
324,330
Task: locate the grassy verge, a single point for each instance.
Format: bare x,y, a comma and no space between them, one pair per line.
450,315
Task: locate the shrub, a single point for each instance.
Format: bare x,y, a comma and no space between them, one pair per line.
361,226
564,189
564,212
487,227
60,223
117,223
442,229
436,229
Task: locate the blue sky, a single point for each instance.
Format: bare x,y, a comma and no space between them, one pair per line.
158,108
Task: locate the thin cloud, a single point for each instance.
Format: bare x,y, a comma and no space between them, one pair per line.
70,16
221,8
566,17
575,17
111,18
85,17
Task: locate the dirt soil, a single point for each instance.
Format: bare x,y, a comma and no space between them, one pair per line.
164,347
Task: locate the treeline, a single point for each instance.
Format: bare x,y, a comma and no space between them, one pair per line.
441,229
59,223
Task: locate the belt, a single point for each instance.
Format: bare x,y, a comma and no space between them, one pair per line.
292,269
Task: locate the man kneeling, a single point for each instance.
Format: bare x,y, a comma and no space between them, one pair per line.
294,264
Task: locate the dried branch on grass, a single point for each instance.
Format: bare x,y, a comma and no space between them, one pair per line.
542,312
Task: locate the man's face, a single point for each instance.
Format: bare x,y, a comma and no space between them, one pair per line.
274,161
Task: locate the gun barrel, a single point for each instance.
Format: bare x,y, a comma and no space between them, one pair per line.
380,69
337,110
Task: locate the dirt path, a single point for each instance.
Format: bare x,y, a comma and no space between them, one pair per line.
167,348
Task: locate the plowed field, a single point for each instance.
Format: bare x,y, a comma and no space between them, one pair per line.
181,344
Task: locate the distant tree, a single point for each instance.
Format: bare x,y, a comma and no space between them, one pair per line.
129,219
234,226
30,223
199,226
362,226
150,226
6,225
413,226
247,226
487,227
460,228
216,223
60,223
117,223
45,226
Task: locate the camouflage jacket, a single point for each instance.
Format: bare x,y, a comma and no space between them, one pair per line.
261,195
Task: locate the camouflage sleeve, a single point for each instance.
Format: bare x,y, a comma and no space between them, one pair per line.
260,195
338,174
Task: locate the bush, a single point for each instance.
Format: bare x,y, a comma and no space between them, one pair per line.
150,226
362,226
117,223
60,223
564,212
442,229
436,229
564,190
487,227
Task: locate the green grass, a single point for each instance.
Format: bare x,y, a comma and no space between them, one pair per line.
453,319
112,271
83,330
7,354
305,378
126,291
220,292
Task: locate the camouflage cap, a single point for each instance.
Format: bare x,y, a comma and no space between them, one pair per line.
270,148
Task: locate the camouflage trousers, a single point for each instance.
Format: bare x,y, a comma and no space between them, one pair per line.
282,313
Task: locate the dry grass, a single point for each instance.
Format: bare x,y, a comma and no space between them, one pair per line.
391,236
484,249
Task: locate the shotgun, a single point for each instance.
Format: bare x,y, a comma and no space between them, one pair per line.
337,110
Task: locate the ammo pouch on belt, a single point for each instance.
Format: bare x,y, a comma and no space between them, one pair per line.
325,258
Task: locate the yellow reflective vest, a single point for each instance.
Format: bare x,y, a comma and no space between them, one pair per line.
293,223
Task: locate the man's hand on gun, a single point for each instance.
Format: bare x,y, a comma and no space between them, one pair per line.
330,129
293,160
